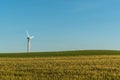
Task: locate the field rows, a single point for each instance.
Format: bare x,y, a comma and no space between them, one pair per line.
61,68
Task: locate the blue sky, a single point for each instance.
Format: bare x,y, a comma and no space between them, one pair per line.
59,24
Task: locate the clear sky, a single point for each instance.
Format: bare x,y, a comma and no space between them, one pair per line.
59,24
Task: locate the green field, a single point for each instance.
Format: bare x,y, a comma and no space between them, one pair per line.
64,53
68,65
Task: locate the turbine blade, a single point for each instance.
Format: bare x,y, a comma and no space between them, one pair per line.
31,37
28,34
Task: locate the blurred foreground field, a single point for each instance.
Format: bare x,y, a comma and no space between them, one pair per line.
102,67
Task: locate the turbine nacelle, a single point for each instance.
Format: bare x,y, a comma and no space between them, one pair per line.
29,37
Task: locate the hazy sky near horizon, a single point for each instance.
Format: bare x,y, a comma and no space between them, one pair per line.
59,24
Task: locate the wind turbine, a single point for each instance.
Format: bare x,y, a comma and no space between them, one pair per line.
28,42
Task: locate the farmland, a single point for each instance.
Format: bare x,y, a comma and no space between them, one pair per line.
62,53
75,65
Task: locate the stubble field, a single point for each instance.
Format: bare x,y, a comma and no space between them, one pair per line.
95,67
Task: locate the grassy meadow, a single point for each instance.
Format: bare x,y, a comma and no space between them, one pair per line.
62,53
68,65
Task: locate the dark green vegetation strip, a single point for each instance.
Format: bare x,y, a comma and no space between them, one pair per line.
65,53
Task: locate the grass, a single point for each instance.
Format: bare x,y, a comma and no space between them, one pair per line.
67,65
101,67
64,53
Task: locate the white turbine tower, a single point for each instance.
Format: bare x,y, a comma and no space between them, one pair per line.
28,42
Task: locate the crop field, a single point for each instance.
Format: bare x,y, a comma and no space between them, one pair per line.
82,67
62,53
